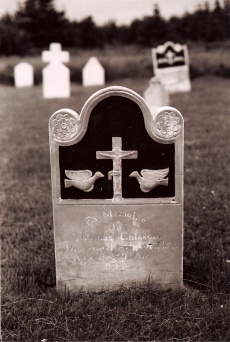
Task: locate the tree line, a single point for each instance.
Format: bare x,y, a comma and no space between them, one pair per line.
37,23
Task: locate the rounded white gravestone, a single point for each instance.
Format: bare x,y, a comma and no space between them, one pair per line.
23,75
93,73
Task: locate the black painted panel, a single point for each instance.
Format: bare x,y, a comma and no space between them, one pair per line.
163,62
117,116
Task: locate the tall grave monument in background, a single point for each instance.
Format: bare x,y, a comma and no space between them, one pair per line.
56,76
171,66
117,188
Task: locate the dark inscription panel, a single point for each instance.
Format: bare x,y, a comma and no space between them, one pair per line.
170,58
117,117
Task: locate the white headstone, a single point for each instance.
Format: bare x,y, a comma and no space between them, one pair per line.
117,186
93,73
56,76
171,66
156,95
23,75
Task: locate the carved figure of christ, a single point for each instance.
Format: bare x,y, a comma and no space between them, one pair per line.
116,155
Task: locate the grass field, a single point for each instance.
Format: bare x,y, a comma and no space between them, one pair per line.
32,310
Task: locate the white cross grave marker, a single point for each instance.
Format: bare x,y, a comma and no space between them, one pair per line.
55,54
56,76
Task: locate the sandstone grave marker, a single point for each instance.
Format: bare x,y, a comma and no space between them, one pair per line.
156,95
23,75
171,66
93,73
56,76
117,189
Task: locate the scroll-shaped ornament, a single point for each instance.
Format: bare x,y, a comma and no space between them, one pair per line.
149,179
168,125
83,179
64,126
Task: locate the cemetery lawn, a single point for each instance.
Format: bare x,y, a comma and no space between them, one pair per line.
32,310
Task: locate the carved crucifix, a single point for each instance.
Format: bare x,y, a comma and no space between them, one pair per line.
116,155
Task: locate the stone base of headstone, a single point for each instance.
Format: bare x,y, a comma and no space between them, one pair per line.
175,80
156,95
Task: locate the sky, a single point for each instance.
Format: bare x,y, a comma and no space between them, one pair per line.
121,11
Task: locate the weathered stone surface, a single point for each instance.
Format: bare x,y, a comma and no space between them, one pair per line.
171,66
23,75
156,95
117,183
56,76
93,73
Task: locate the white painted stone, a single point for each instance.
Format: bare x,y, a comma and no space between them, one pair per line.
117,219
171,66
156,95
23,75
55,54
56,76
93,73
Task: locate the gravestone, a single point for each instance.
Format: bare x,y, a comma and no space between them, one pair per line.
171,66
23,75
117,189
93,73
156,95
56,76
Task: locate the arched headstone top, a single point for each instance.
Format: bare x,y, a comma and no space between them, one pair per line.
68,127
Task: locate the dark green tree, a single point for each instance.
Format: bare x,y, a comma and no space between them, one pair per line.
153,30
90,35
109,32
227,18
43,23
217,24
13,40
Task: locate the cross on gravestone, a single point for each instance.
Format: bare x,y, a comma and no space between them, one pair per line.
116,155
170,54
56,76
55,54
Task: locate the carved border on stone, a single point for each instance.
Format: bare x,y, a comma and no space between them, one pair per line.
77,127
162,48
64,125
167,124
67,127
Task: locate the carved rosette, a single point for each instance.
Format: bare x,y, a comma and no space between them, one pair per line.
64,126
168,125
